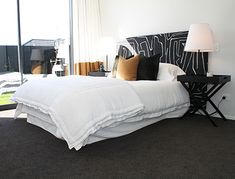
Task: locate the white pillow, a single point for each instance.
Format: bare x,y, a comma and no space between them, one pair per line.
169,72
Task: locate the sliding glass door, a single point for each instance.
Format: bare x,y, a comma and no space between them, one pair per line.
45,42
45,37
9,72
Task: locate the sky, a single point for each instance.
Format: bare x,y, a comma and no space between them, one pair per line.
40,19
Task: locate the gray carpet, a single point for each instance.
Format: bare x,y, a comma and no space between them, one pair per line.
172,148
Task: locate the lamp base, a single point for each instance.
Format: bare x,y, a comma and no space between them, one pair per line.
107,62
36,68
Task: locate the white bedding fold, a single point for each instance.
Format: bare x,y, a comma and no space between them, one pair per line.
79,106
160,97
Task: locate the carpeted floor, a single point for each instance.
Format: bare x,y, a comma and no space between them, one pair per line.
172,148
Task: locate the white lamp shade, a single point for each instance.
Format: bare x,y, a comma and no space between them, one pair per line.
200,38
107,45
36,55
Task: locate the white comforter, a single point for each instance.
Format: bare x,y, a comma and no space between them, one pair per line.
79,106
160,97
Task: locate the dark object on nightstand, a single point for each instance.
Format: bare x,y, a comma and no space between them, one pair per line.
101,68
197,100
98,73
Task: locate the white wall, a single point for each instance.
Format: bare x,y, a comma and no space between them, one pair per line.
123,18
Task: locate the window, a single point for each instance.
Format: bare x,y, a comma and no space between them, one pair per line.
44,42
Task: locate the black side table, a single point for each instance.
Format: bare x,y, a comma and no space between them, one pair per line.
197,101
98,73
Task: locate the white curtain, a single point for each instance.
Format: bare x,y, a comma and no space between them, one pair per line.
86,30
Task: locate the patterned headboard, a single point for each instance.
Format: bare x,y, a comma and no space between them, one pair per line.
171,48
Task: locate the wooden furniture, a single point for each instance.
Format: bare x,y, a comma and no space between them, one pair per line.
36,68
199,83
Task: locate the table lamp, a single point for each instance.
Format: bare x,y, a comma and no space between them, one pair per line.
36,58
200,39
107,46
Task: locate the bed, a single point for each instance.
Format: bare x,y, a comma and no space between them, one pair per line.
84,110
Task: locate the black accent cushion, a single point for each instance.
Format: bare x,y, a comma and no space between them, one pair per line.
148,67
115,65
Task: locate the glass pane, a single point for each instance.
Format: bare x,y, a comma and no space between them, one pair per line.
45,37
9,72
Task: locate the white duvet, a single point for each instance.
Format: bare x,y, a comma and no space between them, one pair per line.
160,97
79,106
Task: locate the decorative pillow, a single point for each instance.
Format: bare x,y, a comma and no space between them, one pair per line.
115,65
127,68
169,71
148,67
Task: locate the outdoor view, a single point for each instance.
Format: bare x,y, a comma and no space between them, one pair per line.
44,42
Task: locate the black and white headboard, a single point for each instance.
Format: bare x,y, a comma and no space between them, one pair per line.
171,48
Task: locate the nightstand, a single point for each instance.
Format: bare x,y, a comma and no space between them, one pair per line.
200,92
99,73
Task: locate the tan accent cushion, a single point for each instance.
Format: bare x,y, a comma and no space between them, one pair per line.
127,68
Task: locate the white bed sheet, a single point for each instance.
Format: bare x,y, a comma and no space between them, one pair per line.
39,119
161,99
